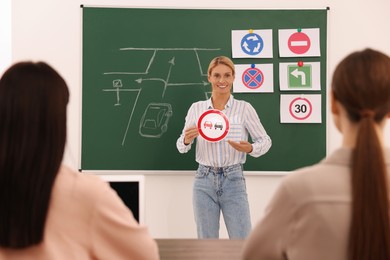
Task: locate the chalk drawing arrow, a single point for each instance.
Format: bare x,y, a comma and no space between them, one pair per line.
203,83
140,80
172,61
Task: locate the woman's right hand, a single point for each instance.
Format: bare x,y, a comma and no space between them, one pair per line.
190,134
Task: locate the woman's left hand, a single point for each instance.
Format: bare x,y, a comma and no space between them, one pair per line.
242,146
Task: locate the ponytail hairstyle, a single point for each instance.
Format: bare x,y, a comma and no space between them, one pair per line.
361,83
33,100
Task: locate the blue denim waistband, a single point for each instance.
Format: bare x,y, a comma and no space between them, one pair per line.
223,169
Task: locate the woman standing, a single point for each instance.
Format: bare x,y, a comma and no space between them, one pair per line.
219,182
339,208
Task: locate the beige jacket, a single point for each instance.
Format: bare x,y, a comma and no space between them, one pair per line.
309,215
87,220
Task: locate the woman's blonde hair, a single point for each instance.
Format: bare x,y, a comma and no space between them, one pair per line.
221,60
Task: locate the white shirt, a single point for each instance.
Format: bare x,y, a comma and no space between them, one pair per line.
243,121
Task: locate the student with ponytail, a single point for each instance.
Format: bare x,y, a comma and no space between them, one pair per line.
339,208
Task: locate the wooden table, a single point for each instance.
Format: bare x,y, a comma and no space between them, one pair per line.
200,249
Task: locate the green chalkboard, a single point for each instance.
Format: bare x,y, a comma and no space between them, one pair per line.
143,68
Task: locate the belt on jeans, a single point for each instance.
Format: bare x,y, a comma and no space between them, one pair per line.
222,168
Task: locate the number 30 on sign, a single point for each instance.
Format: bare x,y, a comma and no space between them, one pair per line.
300,108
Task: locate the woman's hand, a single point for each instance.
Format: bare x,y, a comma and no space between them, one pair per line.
242,146
190,134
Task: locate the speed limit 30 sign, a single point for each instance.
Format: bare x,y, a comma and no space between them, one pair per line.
300,108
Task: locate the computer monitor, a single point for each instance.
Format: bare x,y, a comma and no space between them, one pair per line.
130,188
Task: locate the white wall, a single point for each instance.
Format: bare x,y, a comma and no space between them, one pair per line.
5,34
49,30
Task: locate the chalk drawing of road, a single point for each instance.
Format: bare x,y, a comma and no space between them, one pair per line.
117,89
116,84
154,122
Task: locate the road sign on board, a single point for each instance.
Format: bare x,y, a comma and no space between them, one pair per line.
299,76
252,44
300,108
252,78
299,43
213,125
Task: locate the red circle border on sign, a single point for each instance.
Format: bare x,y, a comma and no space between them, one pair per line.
262,77
301,118
213,111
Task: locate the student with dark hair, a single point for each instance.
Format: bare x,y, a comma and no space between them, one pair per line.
47,210
339,208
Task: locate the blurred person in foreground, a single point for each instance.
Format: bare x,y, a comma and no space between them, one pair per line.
339,208
47,210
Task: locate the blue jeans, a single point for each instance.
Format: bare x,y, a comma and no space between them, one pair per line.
219,189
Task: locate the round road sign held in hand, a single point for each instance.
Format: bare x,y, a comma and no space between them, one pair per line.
213,125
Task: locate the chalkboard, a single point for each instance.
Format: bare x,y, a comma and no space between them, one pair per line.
143,68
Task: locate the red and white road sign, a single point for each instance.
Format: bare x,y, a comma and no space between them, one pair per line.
252,78
299,43
213,125
300,108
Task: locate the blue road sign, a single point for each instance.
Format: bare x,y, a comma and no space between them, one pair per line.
252,78
252,44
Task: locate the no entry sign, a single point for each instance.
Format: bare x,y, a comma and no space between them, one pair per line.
299,43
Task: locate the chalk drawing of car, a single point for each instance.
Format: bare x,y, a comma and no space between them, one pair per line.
218,125
208,124
154,121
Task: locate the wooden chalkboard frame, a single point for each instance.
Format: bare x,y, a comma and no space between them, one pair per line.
129,55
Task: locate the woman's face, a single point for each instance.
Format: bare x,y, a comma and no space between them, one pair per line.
221,79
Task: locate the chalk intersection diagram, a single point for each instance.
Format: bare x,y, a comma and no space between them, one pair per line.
155,119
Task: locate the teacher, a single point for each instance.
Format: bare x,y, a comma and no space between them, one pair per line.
219,181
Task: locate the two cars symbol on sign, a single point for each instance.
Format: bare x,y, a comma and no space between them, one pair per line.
213,125
209,124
